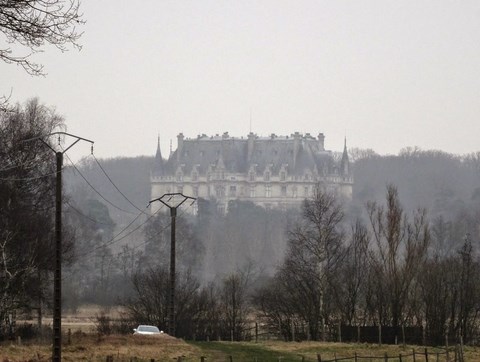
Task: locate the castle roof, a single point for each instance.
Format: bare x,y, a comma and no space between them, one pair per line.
296,154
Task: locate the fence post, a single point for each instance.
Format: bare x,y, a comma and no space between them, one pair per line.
292,326
403,336
413,353
202,359
461,349
256,332
426,355
386,357
356,357
379,334
340,332
69,336
400,357
446,347
358,334
319,358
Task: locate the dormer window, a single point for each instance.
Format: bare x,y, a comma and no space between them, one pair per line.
307,177
179,176
251,176
267,176
283,176
194,176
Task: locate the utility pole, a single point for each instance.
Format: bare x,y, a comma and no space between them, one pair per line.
57,279
173,205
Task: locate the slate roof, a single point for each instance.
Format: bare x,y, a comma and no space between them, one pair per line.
233,154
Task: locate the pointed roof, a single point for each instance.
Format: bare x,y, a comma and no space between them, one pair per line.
158,155
345,161
158,167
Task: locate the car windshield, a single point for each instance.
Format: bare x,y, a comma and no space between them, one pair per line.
148,329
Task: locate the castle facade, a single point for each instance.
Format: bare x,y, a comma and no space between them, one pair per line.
274,171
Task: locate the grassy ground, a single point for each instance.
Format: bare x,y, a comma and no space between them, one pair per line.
164,348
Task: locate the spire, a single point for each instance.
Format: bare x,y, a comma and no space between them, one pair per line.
158,165
345,163
158,155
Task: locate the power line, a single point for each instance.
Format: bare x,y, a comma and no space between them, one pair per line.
109,179
98,193
119,255
86,216
30,178
160,231
113,241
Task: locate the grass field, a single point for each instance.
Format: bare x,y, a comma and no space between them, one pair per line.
87,347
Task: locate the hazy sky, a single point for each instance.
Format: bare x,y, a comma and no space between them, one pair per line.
388,74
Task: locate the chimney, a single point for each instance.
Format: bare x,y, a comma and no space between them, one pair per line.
179,145
296,146
250,143
321,141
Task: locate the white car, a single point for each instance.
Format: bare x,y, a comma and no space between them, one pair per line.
144,329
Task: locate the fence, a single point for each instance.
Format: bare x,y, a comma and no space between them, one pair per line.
455,355
382,334
447,355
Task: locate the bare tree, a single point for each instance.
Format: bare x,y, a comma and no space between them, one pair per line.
351,281
401,250
35,23
235,302
315,251
27,189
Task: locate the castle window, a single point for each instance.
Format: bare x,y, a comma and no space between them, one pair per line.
252,191
220,191
268,191
195,192
294,192
267,176
307,177
232,191
283,176
194,176
306,191
251,176
179,176
284,190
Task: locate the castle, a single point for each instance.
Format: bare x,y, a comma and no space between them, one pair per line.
274,171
